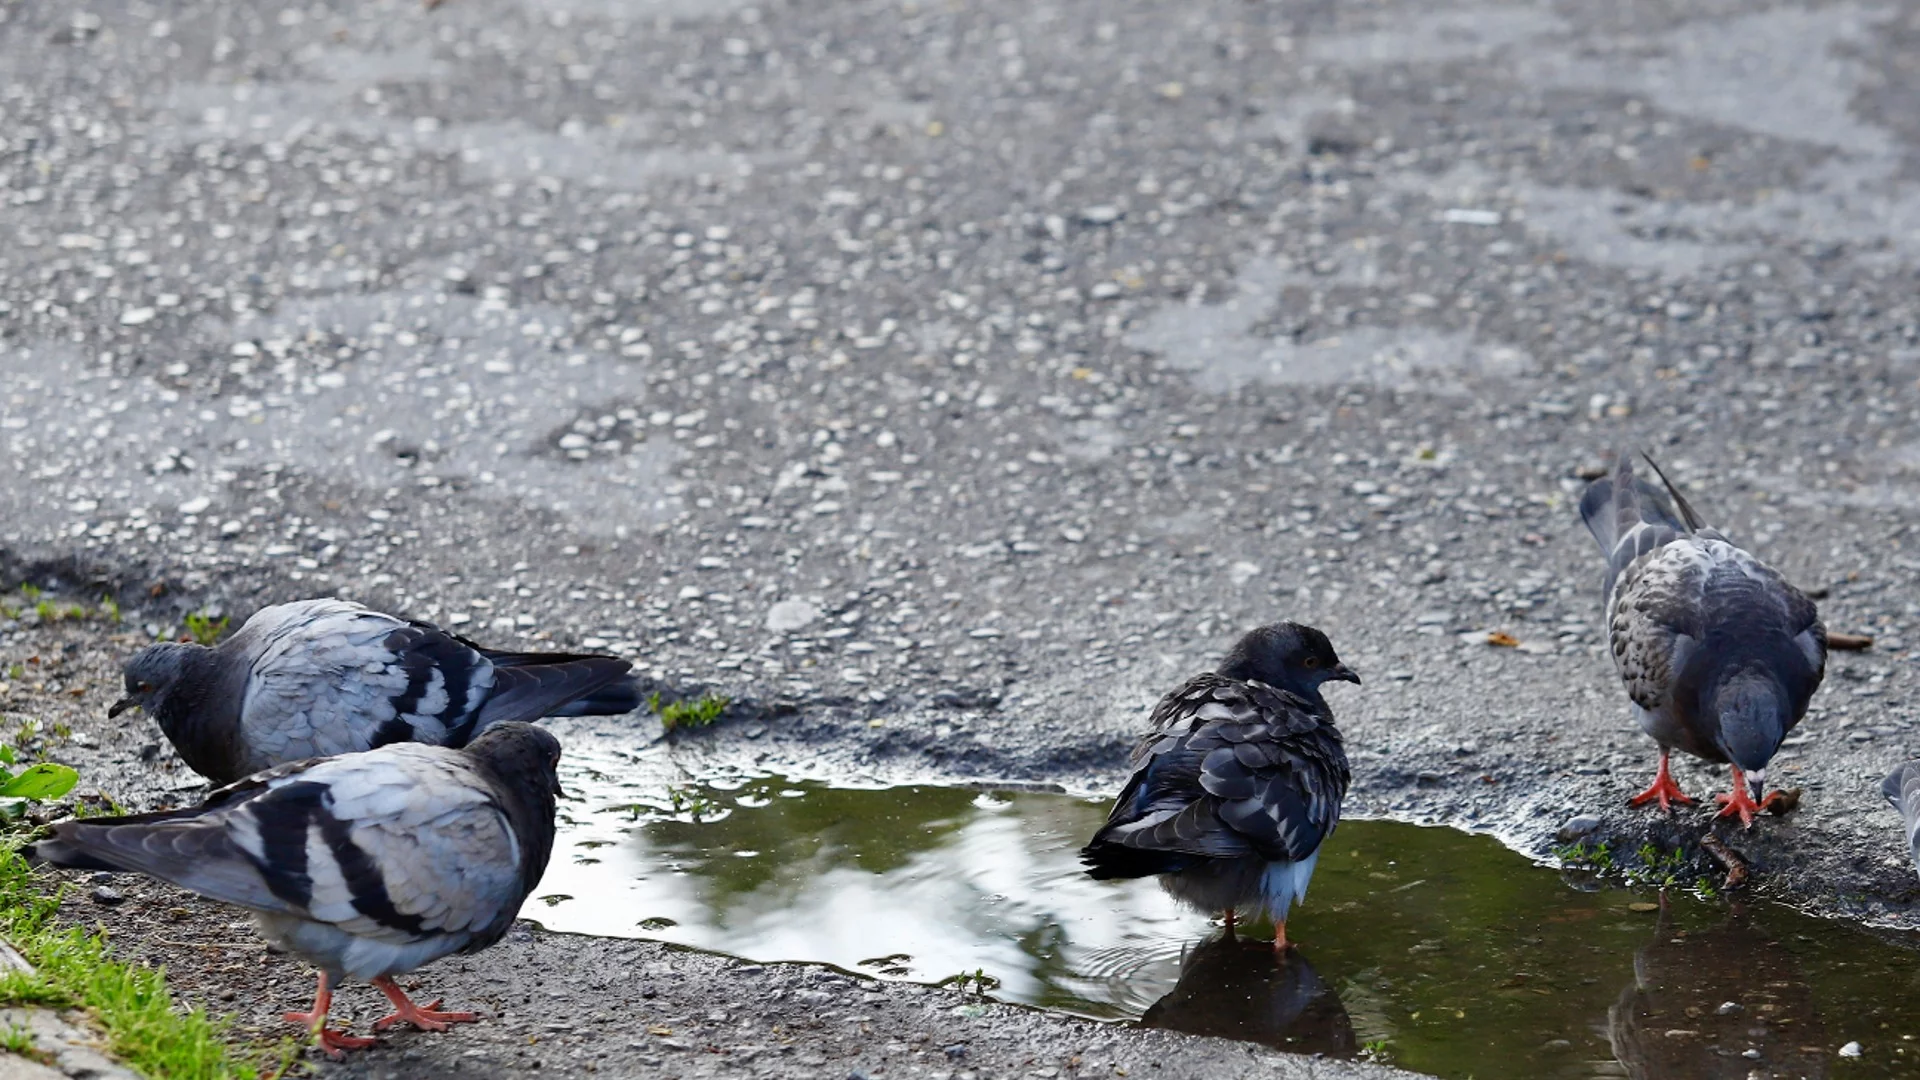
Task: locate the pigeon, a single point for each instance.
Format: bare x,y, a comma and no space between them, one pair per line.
1237,782
367,865
1234,988
1902,789
1718,653
320,677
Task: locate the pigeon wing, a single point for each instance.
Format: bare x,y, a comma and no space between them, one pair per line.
348,680
1655,620
396,846
1232,769
1902,789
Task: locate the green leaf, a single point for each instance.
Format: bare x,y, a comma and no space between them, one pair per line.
6,754
42,781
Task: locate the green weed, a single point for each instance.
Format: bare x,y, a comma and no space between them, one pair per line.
696,712
204,629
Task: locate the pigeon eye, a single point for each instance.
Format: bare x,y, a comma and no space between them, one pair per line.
146,687
1311,661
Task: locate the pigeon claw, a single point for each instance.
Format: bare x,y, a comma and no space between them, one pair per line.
1663,789
1280,943
426,1018
335,1043
1740,802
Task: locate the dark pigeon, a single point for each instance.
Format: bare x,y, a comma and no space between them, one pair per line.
1902,789
367,865
1237,782
1719,655
316,678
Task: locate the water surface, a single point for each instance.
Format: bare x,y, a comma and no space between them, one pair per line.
1442,951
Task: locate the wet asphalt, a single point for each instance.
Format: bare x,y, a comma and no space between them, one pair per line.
943,382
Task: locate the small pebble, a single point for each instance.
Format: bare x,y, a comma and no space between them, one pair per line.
955,1052
1578,828
107,895
1852,1049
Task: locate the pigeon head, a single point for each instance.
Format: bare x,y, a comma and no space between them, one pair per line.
1287,656
525,763
153,672
1753,717
526,758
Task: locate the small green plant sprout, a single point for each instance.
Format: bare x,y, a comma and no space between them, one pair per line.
1597,857
691,801
110,609
976,982
205,629
30,591
16,1039
695,712
1374,1050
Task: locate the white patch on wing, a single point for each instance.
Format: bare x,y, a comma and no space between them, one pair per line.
332,897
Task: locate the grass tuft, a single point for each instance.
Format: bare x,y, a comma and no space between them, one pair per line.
695,712
130,1002
205,629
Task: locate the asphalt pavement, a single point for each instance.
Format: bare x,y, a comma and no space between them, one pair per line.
942,382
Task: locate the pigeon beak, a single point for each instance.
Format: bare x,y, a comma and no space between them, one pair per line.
121,706
1344,674
1757,784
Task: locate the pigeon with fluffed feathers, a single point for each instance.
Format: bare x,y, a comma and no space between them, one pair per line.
319,677
1902,789
367,865
1719,654
1238,781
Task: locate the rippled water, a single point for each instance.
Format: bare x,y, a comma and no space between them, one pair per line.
1442,951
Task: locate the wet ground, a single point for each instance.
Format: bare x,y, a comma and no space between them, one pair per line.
943,383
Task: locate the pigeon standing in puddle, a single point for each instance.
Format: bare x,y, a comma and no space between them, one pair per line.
366,865
320,677
1237,782
1718,653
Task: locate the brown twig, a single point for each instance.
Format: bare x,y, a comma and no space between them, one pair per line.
1849,642
1736,863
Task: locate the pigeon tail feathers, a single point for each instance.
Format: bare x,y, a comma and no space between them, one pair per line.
1694,521
530,691
1614,508
1108,861
619,696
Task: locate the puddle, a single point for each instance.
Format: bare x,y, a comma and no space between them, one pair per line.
1446,951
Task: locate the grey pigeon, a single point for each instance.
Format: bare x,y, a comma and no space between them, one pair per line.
1902,789
1237,782
320,677
1718,653
367,865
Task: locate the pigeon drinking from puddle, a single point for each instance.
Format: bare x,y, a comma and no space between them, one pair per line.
1718,653
1237,782
366,865
320,677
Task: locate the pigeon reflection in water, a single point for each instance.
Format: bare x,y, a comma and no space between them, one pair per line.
1701,999
1238,988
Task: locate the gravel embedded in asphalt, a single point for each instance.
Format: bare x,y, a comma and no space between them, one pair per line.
944,383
